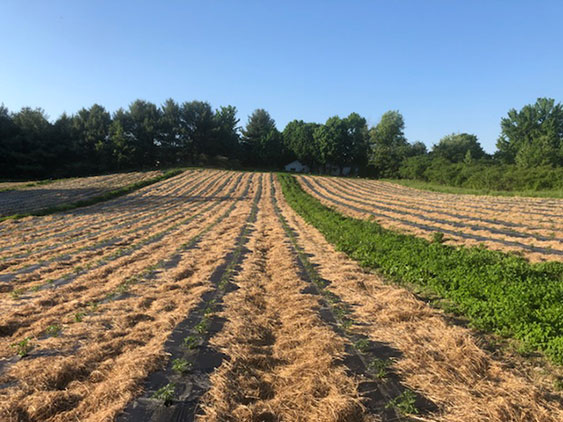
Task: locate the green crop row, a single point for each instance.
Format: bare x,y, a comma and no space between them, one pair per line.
498,292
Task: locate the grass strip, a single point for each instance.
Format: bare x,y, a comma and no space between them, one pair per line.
99,198
36,183
436,187
498,292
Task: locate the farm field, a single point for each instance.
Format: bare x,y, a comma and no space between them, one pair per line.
532,227
15,185
28,199
207,297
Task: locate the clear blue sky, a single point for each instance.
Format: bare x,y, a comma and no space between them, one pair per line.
447,66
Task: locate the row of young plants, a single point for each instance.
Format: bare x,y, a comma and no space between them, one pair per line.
376,370
54,236
184,362
106,196
176,211
23,347
130,248
498,292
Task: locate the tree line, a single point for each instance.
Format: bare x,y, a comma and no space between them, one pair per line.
146,136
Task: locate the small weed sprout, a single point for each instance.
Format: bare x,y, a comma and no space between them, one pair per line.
165,394
53,330
191,342
346,324
362,345
123,287
404,403
201,328
331,297
23,347
339,312
379,367
181,365
78,316
16,293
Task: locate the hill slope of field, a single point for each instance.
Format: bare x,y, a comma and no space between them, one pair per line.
45,198
532,227
207,297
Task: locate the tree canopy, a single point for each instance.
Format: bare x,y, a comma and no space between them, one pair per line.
458,147
389,146
533,136
145,135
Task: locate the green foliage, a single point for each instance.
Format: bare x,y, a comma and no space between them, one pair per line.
389,146
165,394
53,330
362,345
413,168
481,175
496,291
191,342
181,365
16,293
404,403
342,142
261,142
533,136
23,347
459,147
202,326
379,367
438,237
298,138
144,135
93,141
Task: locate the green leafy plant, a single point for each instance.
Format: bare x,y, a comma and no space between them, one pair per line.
23,347
362,345
379,367
404,403
181,365
16,293
346,324
53,330
165,394
202,326
123,287
79,316
191,342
